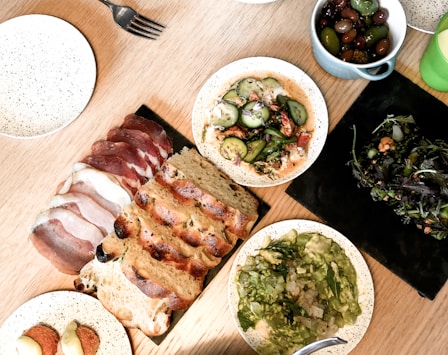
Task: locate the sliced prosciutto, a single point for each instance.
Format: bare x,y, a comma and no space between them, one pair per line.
116,165
101,186
73,223
141,141
87,207
127,152
86,204
66,252
152,129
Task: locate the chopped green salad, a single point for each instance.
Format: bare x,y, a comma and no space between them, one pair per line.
257,124
408,172
299,288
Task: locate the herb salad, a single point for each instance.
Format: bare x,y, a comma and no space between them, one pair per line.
408,172
299,288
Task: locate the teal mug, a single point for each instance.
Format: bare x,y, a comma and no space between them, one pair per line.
434,62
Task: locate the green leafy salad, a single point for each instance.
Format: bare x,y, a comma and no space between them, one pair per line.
299,288
408,172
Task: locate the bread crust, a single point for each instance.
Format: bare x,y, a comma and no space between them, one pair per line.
188,222
156,279
197,182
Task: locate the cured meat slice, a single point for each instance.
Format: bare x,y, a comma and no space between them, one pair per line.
66,252
87,207
153,129
141,141
101,186
73,223
126,151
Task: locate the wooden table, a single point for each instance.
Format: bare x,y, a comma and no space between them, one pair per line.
201,37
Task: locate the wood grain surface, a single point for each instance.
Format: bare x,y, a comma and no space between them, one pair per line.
166,75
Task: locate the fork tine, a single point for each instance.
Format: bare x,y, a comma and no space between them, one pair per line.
149,21
138,21
136,30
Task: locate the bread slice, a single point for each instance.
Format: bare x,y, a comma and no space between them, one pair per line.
160,242
187,222
156,279
124,299
196,181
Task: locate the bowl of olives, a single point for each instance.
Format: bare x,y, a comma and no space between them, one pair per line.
354,39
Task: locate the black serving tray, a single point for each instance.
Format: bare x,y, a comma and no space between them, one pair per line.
179,141
329,190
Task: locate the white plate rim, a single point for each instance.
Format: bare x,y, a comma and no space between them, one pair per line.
47,90
424,15
218,82
353,333
57,309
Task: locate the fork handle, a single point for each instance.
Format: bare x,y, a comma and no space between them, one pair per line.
107,3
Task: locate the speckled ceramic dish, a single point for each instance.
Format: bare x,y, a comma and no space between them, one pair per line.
304,89
353,333
48,73
424,15
59,308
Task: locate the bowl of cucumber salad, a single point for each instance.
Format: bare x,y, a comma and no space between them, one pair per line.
261,120
298,281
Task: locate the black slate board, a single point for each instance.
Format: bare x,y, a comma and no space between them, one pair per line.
179,141
329,190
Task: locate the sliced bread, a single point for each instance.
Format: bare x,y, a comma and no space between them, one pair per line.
196,181
124,299
160,242
188,222
156,279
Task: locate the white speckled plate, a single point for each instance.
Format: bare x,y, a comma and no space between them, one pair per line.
424,15
260,67
353,333
47,75
57,309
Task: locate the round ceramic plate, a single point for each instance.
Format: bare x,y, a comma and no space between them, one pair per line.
59,308
218,84
48,73
424,15
353,333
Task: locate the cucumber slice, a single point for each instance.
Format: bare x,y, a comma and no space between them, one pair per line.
225,115
233,148
297,112
274,132
248,86
271,147
253,149
254,114
282,99
273,84
232,97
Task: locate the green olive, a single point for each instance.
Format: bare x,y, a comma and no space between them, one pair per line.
365,7
373,34
330,40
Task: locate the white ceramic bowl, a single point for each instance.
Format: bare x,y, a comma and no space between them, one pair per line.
344,70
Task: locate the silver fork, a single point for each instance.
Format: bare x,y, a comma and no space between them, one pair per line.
131,21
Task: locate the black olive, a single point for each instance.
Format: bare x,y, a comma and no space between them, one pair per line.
101,255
